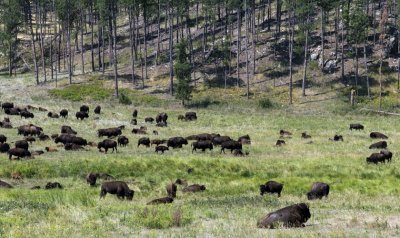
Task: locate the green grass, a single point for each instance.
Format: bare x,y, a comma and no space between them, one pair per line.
363,199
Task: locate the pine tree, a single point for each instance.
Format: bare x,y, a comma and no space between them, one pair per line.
183,70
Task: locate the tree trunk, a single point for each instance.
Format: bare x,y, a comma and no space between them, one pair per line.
171,69
145,38
322,38
366,70
303,85
41,22
158,32
239,29
69,46
92,37
131,39
82,50
114,40
247,50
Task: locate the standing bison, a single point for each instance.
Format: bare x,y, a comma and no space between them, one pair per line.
118,188
318,191
97,110
144,141
291,216
176,142
356,126
64,113
271,187
109,132
107,144
84,108
18,152
231,145
162,117
123,140
202,144
81,115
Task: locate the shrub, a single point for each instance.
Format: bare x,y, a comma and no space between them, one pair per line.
123,99
265,103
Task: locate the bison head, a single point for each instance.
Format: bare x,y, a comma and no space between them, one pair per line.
129,194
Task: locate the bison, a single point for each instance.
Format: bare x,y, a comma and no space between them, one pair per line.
356,126
194,188
107,144
244,140
157,142
379,145
18,152
218,140
72,146
144,141
176,142
30,130
318,190
109,132
162,117
285,133
292,216
139,131
149,119
119,188
203,145
171,190
135,113
53,115
91,178
26,114
122,140
68,138
7,105
161,148
97,110
84,108
230,145
271,187
304,135
23,144
163,200
64,113
337,138
134,122
68,130
190,116
81,115
53,185
3,138
378,135
380,157
4,147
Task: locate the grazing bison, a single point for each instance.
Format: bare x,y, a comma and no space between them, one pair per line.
171,190
337,138
18,152
194,188
23,144
203,145
109,132
163,200
381,157
304,135
67,130
204,136
161,148
26,114
107,144
123,141
7,105
162,117
245,140
157,142
144,141
119,188
285,133
97,110
64,113
5,185
318,190
68,138
280,143
139,131
91,178
176,142
3,138
218,140
81,115
292,216
72,146
190,116
84,108
53,115
378,135
379,145
29,130
51,185
230,145
149,119
134,114
4,147
356,126
271,187
181,117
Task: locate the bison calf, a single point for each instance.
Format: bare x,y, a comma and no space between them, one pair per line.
161,148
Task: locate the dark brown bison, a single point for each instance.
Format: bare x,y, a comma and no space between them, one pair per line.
356,126
7,105
43,137
194,188
271,187
23,144
109,132
378,135
53,115
123,140
203,145
230,145
134,122
135,113
245,140
4,147
318,191
5,185
3,138
285,133
53,185
139,131
35,187
171,190
72,146
30,139
380,157
119,188
337,138
18,152
280,143
97,110
163,200
149,119
176,142
69,138
161,148
291,216
379,145
157,142
107,144
144,141
162,117
304,135
29,130
67,130
81,115
26,114
12,111
91,178
84,108
218,140
190,116
64,113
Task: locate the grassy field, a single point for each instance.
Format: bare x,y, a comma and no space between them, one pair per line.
363,201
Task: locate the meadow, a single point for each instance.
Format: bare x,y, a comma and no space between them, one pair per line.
363,200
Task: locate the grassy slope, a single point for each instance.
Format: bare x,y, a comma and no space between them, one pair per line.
363,200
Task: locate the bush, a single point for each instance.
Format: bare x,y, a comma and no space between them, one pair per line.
265,103
80,92
123,99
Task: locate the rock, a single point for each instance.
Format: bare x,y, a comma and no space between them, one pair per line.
330,66
391,47
316,53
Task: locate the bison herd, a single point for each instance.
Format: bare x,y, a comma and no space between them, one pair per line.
292,216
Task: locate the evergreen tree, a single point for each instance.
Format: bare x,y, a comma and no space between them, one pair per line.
183,70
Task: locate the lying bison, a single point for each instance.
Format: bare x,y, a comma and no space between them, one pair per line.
203,145
378,135
318,191
53,185
5,185
69,138
356,126
230,145
194,188
285,133
119,188
271,187
379,145
139,131
53,115
97,110
280,143
163,200
64,113
122,140
304,135
291,216
337,138
109,132
107,144
72,146
161,148
19,153
176,142
67,130
81,115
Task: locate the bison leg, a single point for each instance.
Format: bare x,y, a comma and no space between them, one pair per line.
103,194
10,157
